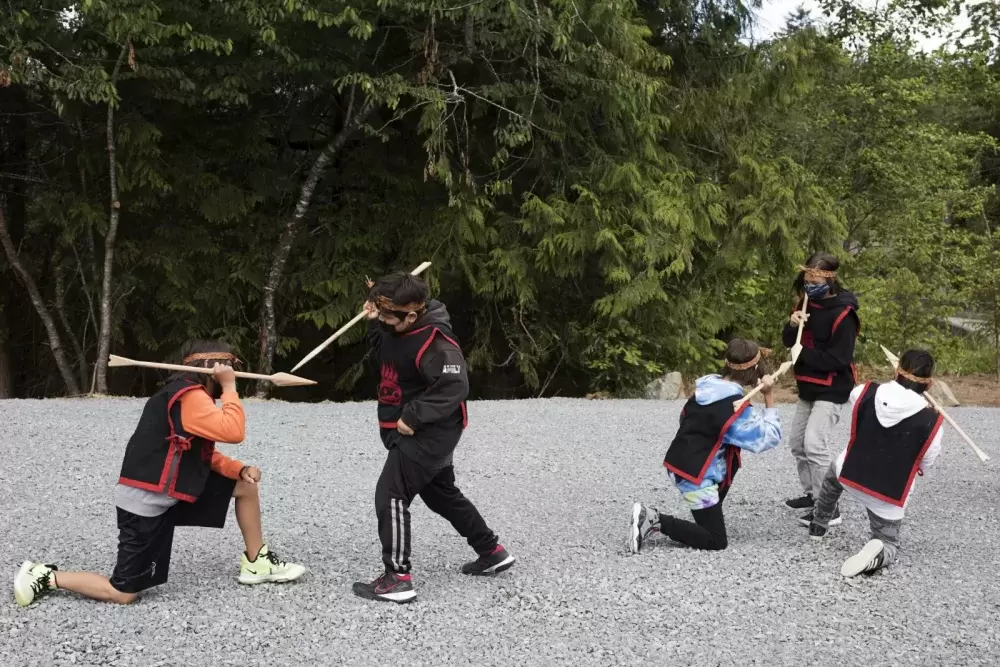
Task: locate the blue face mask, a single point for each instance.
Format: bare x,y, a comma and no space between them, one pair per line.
817,291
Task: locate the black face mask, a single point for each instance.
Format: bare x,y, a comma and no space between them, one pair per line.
388,328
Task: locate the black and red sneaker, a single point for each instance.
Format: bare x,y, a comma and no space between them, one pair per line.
390,587
494,562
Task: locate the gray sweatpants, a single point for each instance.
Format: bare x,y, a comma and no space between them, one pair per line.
882,529
812,430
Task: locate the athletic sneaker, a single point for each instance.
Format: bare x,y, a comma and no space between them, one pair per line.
640,526
801,503
494,562
389,586
807,519
33,581
266,567
816,531
868,560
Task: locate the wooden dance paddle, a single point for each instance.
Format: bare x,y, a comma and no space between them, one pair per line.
357,318
797,348
279,379
783,368
894,360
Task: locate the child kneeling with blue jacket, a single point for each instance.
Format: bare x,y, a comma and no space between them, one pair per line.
705,453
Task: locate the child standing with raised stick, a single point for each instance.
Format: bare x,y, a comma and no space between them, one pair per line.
824,369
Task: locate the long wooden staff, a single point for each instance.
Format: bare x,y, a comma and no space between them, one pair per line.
783,368
894,360
797,348
340,332
279,379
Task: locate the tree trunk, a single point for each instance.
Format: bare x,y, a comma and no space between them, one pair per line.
36,299
268,320
104,337
61,312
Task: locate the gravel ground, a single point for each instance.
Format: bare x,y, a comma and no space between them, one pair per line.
555,478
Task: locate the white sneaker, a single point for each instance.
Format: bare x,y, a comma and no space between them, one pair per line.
33,581
266,567
640,526
869,559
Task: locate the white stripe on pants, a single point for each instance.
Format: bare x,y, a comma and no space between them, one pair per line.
812,430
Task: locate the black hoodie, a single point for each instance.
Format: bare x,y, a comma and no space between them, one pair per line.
424,382
825,369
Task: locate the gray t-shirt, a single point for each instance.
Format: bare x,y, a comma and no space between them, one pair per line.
143,502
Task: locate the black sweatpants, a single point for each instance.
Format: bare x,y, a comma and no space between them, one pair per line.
707,532
402,480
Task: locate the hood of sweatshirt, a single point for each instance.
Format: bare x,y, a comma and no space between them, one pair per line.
435,315
712,388
894,403
844,298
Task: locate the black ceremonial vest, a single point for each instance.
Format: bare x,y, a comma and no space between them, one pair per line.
699,437
882,462
160,444
402,382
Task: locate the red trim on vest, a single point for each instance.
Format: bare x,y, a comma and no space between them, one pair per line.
420,355
826,383
711,455
840,318
731,453
387,424
178,446
916,464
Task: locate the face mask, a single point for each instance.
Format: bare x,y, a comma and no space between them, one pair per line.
388,328
817,291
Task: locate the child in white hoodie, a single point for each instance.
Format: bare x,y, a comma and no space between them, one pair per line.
895,435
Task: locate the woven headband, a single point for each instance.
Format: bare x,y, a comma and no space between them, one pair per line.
385,303
745,365
212,356
914,378
819,273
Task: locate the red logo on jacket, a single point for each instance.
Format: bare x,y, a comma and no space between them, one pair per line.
389,392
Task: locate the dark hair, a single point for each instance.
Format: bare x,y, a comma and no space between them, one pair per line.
919,363
400,288
825,262
741,351
200,347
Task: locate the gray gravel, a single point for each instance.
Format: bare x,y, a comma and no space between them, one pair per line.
555,478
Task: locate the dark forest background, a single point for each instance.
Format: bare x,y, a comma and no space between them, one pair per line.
607,189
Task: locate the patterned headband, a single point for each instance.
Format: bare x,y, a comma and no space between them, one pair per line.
914,378
819,273
212,356
748,364
385,303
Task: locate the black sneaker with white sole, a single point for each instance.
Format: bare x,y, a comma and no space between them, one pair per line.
388,587
801,503
494,562
867,561
816,531
807,519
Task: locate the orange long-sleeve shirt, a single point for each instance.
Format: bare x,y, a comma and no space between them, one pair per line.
202,417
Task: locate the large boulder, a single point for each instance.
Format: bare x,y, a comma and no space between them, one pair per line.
670,387
942,393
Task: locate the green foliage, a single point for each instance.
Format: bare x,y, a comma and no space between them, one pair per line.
607,190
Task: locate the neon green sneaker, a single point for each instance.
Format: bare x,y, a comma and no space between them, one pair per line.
33,581
266,567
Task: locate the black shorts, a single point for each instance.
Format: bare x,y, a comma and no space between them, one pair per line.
145,542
